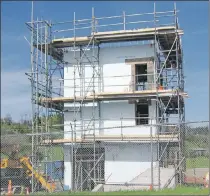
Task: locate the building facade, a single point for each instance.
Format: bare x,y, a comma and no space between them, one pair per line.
122,100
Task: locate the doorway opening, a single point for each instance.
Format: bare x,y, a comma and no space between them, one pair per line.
142,114
140,77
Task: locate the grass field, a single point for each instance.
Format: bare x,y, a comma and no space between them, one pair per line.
177,191
198,162
57,153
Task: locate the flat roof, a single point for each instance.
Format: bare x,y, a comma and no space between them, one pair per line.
118,36
165,35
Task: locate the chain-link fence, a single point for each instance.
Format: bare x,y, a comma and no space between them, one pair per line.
30,165
158,157
196,152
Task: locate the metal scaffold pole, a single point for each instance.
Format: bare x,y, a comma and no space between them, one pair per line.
41,88
93,108
32,92
156,85
73,155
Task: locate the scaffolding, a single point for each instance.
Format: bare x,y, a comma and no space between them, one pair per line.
43,68
48,84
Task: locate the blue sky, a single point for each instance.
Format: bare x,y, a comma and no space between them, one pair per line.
15,88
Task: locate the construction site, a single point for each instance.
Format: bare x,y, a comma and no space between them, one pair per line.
117,82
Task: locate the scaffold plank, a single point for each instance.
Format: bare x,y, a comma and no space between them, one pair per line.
116,96
111,138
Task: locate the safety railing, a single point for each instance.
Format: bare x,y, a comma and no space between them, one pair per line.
117,22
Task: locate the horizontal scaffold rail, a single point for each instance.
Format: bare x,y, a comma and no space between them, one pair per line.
116,138
165,35
116,96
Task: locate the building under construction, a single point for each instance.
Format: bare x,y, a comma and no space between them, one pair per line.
118,82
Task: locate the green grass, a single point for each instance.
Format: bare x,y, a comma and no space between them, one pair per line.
57,153
198,162
177,191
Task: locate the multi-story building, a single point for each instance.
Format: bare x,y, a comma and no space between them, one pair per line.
123,102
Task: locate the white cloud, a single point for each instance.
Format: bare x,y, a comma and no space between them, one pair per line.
15,94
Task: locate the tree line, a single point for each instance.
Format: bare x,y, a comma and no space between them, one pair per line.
9,126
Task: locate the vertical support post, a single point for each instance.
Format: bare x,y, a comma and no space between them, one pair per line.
42,90
72,159
32,91
121,118
157,96
37,99
178,97
151,151
99,119
73,165
93,65
124,20
99,70
46,83
82,87
50,111
81,176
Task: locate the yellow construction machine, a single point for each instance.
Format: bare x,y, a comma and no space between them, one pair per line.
20,171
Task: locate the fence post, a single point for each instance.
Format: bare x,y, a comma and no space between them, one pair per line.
121,126
151,140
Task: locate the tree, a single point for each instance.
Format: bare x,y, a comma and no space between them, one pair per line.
8,119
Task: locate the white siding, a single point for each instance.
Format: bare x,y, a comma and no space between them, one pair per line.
67,167
123,162
112,61
114,115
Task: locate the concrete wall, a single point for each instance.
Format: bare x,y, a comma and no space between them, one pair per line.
122,162
112,61
125,161
114,115
67,167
